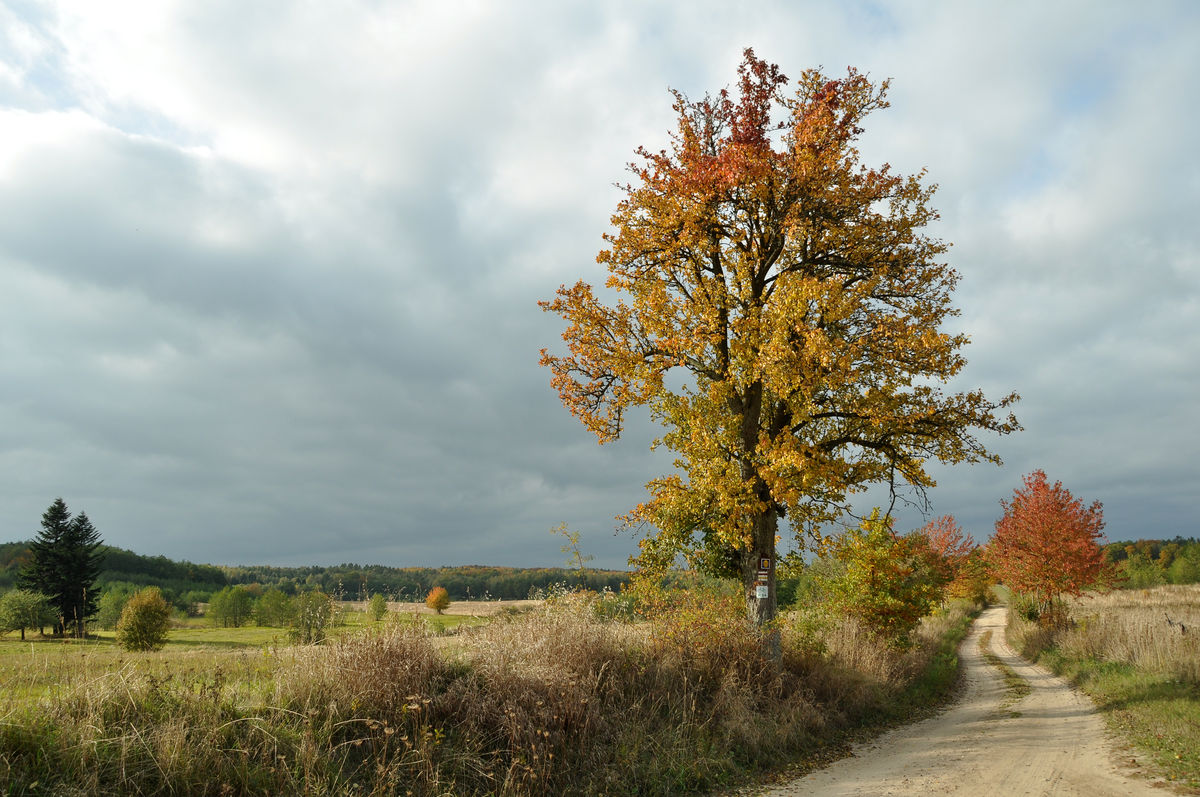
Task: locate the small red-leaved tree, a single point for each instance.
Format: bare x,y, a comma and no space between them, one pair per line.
1047,543
948,539
961,557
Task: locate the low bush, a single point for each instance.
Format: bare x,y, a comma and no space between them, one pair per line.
144,621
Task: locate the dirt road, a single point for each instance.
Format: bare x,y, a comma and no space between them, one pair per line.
1049,742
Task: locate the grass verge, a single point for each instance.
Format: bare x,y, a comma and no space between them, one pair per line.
1155,712
1126,652
1015,686
931,678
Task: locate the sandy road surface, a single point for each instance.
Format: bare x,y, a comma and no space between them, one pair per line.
1049,742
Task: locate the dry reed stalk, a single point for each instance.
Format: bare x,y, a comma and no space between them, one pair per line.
1156,630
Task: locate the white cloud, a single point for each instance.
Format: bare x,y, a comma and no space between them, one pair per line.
293,252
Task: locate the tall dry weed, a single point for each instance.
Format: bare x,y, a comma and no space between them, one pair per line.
553,701
1156,630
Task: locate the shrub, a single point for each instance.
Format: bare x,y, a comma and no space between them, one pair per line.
377,607
274,609
144,621
438,599
889,582
314,611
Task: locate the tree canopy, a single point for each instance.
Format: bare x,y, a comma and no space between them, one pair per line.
796,295
1047,543
21,609
64,564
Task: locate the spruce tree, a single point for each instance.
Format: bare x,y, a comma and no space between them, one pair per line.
42,574
64,564
80,567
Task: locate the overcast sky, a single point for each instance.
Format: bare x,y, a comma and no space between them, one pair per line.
269,270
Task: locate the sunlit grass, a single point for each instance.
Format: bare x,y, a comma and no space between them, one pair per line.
552,701
1136,653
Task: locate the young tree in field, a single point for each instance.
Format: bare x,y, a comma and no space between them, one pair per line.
888,582
22,608
112,604
1047,542
438,599
231,607
314,612
779,309
274,608
377,607
64,563
576,557
145,621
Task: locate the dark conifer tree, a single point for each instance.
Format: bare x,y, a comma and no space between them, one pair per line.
64,564
42,572
80,565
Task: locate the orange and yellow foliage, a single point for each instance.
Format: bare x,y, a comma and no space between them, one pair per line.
800,301
438,599
889,582
1047,543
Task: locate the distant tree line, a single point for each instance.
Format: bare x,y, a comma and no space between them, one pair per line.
186,585
472,582
1148,563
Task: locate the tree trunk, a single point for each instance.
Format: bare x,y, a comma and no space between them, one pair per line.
763,610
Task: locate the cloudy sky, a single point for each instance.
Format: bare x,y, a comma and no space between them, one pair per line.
269,270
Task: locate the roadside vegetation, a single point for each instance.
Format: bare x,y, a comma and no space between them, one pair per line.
1136,653
580,694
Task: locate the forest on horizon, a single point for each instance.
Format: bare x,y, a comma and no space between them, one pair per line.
347,581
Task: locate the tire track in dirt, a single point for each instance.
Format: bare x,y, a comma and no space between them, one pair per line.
1048,742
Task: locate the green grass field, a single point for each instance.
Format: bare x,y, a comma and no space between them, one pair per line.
45,666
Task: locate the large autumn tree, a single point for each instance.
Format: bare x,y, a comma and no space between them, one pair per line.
796,294
1047,543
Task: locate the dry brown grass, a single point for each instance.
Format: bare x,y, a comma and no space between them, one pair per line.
1156,630
1137,654
464,608
549,701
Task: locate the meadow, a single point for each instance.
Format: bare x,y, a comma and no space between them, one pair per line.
563,697
1136,653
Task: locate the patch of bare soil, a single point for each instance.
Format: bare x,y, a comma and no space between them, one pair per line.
1049,742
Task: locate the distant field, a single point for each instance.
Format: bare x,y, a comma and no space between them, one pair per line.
569,700
41,666
467,608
